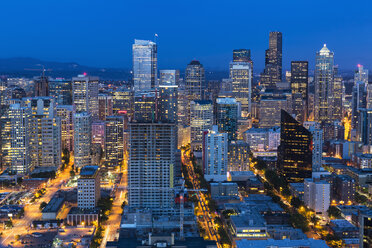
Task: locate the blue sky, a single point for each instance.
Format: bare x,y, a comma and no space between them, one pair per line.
100,33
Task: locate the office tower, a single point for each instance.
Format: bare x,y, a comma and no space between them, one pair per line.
238,156
144,65
105,106
19,155
273,61
123,102
323,85
361,75
3,87
85,95
317,195
295,149
270,105
167,102
89,187
41,86
201,116
317,150
145,108
195,80
358,101
369,96
169,77
365,229
227,114
338,89
98,134
365,126
215,155
299,84
183,108
241,76
82,139
263,139
44,132
66,115
152,148
61,90
114,141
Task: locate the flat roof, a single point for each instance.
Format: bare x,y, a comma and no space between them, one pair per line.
89,170
311,243
54,205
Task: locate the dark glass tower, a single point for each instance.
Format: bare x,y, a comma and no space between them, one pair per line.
42,86
295,150
273,61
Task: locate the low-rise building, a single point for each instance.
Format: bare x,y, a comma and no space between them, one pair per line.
51,210
285,243
224,190
248,226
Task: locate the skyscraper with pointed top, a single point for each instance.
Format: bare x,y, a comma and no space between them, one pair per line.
273,61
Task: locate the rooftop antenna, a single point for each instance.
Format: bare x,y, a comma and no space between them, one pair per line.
155,37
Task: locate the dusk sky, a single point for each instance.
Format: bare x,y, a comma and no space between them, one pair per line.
101,33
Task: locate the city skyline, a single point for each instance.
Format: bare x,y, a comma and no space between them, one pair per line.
345,33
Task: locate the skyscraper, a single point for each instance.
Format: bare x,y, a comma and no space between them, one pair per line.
44,132
273,61
215,155
123,102
195,80
317,195
317,150
169,77
144,65
89,187
152,148
242,55
66,115
105,106
85,95
299,84
145,107
167,102
361,75
82,139
114,141
227,114
19,154
3,87
201,116
295,149
240,74
42,86
323,85
61,90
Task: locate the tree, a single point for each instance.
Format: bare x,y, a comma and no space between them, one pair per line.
17,237
314,219
43,205
72,173
334,212
295,202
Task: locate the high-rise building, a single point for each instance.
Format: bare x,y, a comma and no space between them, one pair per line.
241,76
195,80
365,126
242,55
299,84
61,90
105,106
317,195
3,87
114,141
344,188
295,149
317,149
152,148
227,114
145,108
18,152
85,95
167,102
144,65
201,116
215,155
123,102
42,86
358,102
238,156
365,229
273,61
361,75
82,139
271,103
44,132
338,92
66,115
99,134
324,75
169,77
89,187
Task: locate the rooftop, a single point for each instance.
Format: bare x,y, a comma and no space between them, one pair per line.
311,243
89,170
54,205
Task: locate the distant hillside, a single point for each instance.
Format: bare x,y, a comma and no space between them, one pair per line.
29,67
